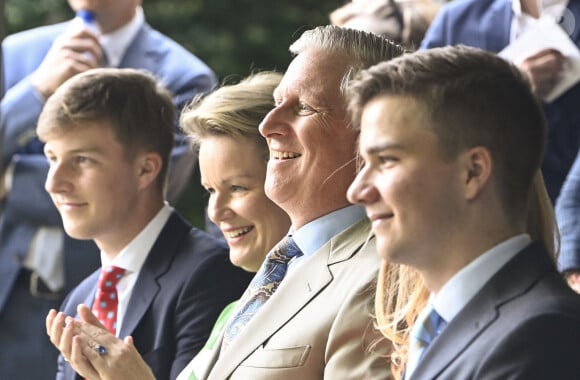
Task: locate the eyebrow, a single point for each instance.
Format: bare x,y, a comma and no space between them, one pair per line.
82,150
236,177
383,146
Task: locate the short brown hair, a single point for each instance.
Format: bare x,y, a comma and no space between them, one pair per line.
137,107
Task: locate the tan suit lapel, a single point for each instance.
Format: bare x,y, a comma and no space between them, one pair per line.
296,291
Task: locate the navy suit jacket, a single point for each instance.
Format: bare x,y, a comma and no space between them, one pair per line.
486,24
523,324
27,206
186,281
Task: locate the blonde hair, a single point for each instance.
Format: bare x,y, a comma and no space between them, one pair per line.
234,110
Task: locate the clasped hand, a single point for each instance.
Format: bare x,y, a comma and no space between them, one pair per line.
78,341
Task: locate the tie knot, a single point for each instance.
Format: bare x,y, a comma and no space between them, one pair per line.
285,250
427,329
110,277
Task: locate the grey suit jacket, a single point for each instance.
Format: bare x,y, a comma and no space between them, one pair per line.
319,322
523,324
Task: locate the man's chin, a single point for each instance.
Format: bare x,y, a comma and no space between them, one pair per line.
77,233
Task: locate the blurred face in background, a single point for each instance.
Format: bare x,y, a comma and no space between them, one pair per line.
110,14
233,171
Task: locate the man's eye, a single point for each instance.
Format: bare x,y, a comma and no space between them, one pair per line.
237,188
387,159
305,109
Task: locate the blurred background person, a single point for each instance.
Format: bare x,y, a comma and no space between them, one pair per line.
38,262
402,21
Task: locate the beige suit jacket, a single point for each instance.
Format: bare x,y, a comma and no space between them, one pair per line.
318,324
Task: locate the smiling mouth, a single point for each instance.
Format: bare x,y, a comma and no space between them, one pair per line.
380,217
70,204
237,232
283,155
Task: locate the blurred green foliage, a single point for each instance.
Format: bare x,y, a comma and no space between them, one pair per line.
234,37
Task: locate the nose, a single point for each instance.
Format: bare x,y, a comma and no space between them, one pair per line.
218,208
273,122
361,191
57,179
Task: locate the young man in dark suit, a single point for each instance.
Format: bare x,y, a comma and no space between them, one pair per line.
451,140
108,136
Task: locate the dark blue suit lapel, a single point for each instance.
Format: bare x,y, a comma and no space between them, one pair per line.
90,296
156,265
482,311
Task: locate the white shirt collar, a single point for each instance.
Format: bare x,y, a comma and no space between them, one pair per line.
115,44
132,257
318,232
463,286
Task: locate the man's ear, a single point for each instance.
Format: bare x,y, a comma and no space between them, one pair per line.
149,167
478,165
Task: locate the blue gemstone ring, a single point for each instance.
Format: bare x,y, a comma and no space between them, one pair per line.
101,350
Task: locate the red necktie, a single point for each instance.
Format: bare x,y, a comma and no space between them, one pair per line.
105,304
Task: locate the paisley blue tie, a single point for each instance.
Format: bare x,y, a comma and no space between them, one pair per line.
422,334
262,286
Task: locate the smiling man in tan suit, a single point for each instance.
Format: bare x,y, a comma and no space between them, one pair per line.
318,323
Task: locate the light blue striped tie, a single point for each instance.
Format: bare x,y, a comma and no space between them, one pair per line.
262,286
422,334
